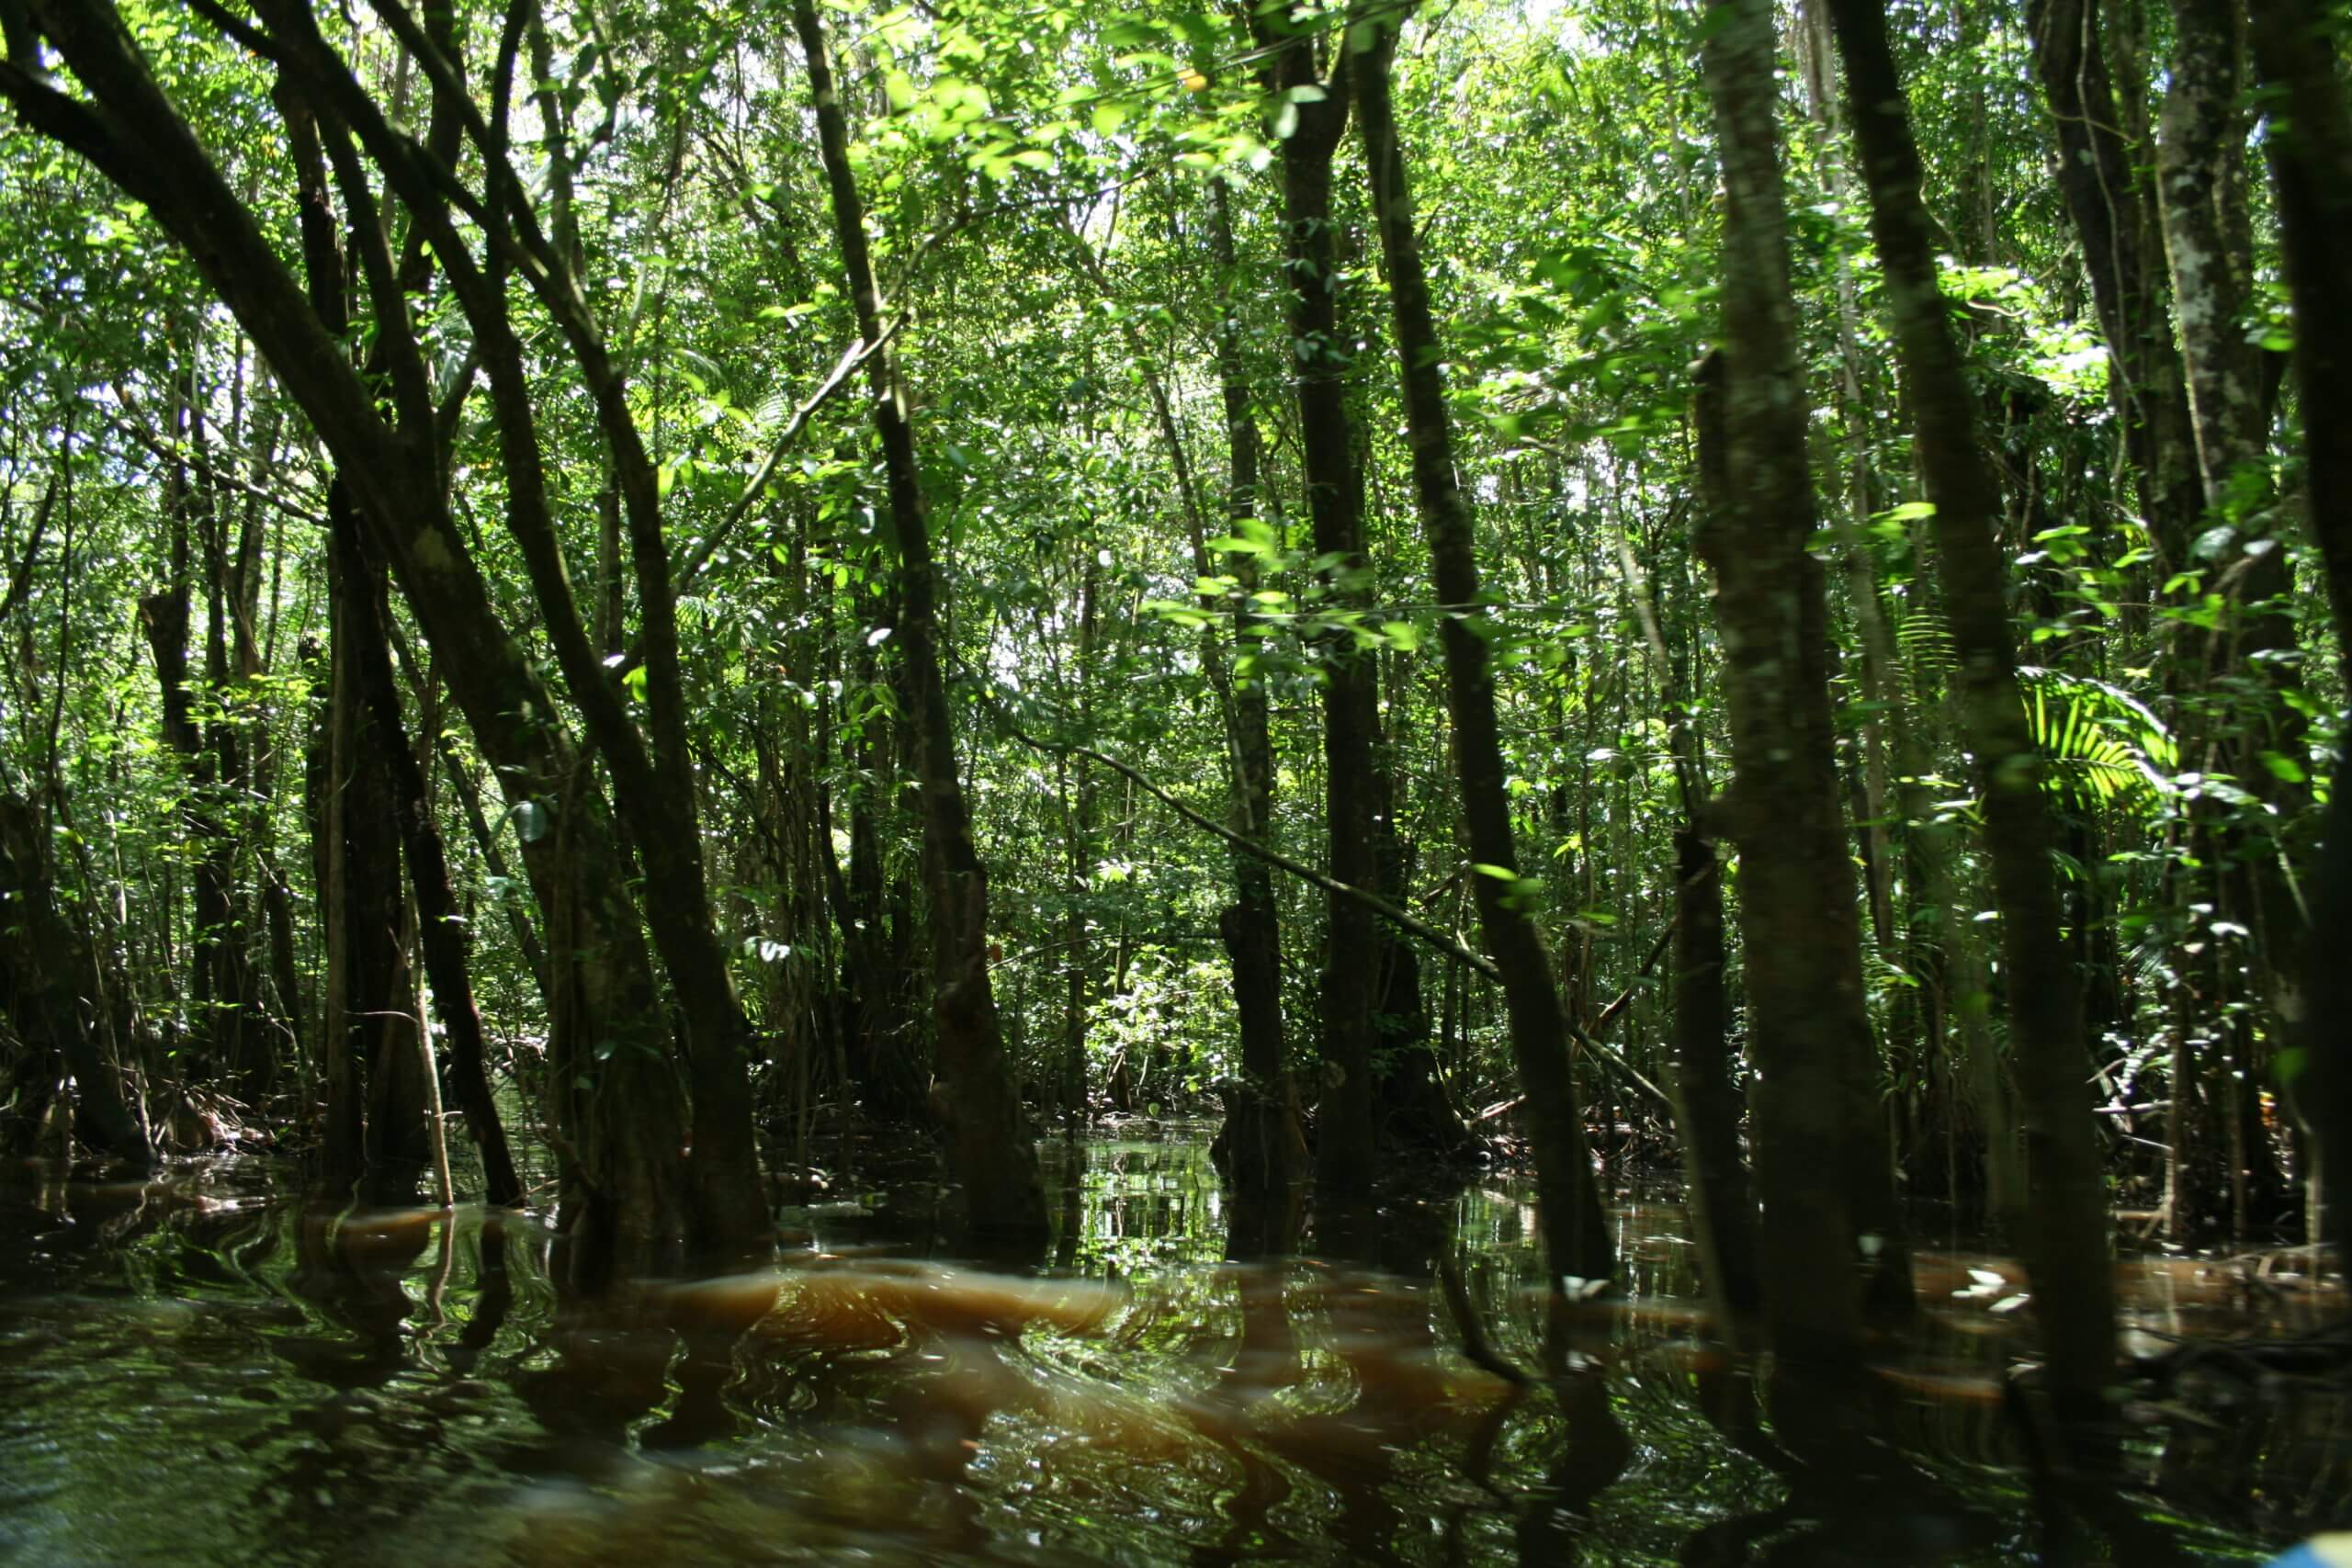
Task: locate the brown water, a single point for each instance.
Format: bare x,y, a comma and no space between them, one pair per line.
199,1370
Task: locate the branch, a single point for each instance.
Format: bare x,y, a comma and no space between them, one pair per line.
852,357
212,472
1406,922
20,585
1657,950
1275,858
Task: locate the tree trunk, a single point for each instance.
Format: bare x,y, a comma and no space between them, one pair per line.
2321,1084
1267,1148
1575,1233
214,992
1078,959
1707,1106
1818,1128
992,1153
1414,1117
2113,213
2065,1224
1344,1132
42,961
374,1104
620,1117
440,932
2310,148
2251,659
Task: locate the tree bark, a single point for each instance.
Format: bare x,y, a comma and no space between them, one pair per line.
993,1157
2065,1226
2250,660
1575,1233
2321,1084
374,1132
2310,150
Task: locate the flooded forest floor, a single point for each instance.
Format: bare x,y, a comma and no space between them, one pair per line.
201,1368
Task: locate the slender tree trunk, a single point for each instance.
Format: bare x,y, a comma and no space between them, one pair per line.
365,1026
620,1117
493,860
1706,1104
1414,1117
1078,959
2065,1224
992,1153
237,1039
1576,1233
165,617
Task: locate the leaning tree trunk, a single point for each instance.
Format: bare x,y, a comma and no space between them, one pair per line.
619,1119
993,1152
1575,1233
1820,1165
619,1112
2065,1224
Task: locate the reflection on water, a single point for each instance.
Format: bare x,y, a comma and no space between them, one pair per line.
198,1370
